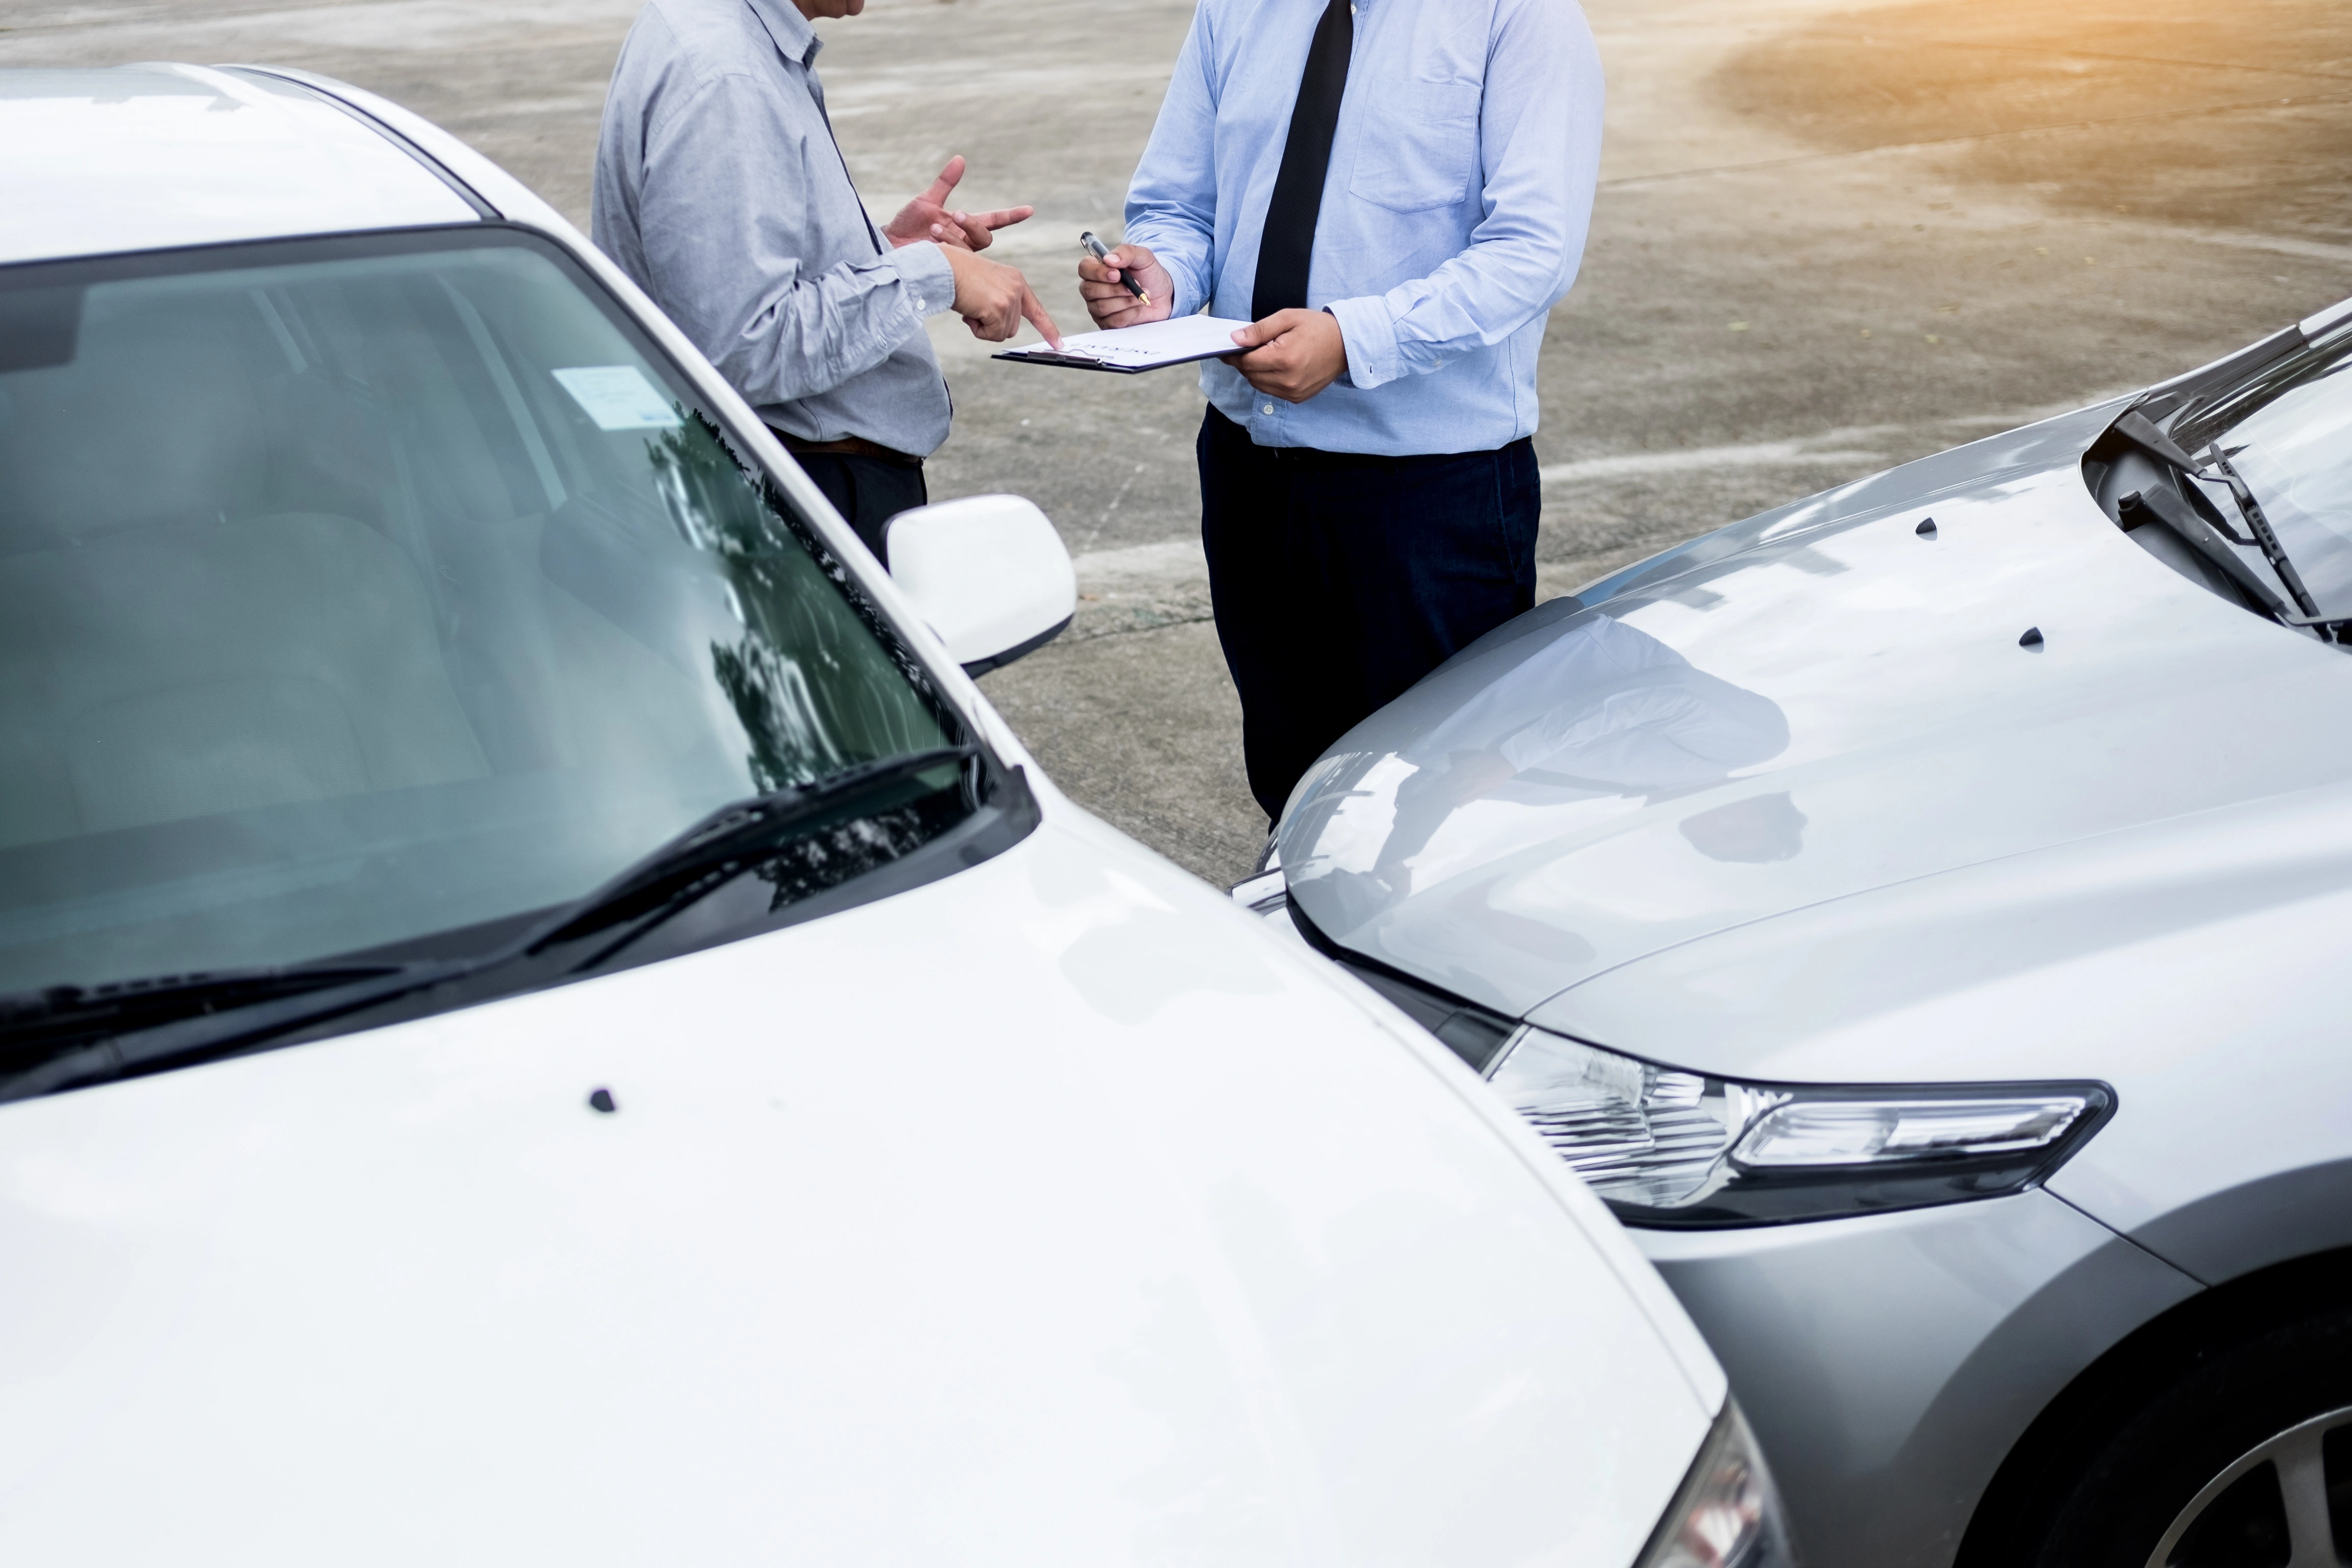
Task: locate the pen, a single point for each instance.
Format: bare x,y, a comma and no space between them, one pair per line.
1095,248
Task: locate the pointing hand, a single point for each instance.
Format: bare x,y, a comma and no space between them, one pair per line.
994,299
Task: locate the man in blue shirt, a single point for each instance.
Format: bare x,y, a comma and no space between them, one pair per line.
1394,193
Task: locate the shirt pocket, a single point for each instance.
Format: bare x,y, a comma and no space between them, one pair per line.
1419,147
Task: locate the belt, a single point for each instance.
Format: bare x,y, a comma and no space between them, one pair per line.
850,446
1315,457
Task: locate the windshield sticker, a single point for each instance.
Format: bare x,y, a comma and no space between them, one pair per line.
619,397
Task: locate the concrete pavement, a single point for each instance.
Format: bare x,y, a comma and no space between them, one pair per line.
1828,239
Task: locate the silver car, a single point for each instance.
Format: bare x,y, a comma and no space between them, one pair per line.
1920,912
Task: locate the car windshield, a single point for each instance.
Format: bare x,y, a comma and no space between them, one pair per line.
369,594
2287,431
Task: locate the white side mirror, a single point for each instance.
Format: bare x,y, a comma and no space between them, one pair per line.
988,572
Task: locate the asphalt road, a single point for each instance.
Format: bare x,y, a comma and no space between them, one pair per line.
1828,239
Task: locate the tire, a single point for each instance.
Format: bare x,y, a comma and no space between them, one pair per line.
2243,1459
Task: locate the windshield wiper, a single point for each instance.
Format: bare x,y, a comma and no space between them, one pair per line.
2150,437
67,1036
2207,538
70,1035
2158,503
723,846
62,1015
2275,552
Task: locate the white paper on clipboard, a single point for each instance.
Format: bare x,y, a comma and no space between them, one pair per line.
1180,340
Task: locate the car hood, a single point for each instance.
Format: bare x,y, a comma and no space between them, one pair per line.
1052,1213
1825,700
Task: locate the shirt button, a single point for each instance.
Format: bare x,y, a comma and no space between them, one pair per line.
1267,409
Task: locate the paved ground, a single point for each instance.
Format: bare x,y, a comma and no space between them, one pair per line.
1828,239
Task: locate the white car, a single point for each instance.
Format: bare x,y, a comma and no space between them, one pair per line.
547,1021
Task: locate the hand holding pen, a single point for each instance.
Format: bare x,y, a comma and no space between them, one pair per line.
1123,286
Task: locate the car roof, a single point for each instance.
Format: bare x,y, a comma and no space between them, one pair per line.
155,156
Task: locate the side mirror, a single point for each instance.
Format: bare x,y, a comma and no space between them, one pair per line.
988,572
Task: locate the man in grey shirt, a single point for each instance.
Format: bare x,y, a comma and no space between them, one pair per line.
722,192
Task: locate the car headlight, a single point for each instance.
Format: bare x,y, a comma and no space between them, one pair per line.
1727,1514
1665,1147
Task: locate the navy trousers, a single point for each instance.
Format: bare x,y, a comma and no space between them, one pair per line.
866,491
1340,580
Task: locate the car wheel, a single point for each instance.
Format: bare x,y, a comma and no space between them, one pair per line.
2244,1460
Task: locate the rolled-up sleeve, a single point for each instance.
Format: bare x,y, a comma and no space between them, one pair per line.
1539,145
717,253
1171,205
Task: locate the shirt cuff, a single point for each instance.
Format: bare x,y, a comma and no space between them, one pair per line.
1189,295
1370,333
929,280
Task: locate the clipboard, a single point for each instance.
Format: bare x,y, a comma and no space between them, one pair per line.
1131,350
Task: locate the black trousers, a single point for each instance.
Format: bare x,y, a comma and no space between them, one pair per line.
866,491
1340,580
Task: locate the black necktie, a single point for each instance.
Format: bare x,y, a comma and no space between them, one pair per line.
1287,246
